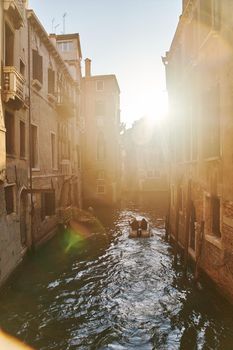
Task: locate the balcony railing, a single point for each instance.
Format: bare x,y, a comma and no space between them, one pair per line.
13,86
16,9
65,105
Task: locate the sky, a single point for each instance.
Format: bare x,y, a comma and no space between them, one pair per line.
122,37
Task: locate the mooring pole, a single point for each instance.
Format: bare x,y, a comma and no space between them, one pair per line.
199,252
177,222
187,227
167,223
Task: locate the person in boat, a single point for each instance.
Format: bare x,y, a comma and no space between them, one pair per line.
144,224
134,225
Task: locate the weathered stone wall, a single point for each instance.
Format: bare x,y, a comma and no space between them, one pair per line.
13,169
64,176
11,250
201,137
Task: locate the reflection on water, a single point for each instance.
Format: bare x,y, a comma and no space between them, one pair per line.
112,293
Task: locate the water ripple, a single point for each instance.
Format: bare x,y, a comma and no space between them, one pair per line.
113,294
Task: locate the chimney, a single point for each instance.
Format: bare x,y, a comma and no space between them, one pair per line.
87,67
53,39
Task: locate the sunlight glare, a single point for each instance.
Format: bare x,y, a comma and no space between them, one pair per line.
152,105
157,107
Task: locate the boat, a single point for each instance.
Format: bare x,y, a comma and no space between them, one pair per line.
145,233
139,233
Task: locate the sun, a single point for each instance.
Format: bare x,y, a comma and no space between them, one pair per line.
150,104
157,107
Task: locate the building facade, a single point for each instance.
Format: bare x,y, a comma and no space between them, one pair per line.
14,126
69,48
54,140
101,132
40,142
199,82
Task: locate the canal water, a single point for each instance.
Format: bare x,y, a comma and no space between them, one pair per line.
112,292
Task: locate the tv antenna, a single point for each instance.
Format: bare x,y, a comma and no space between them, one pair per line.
64,22
53,20
55,27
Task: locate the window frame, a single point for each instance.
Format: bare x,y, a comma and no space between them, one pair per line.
62,44
22,65
37,66
102,176
10,138
51,83
37,167
215,232
53,150
9,44
98,187
13,186
22,155
207,211
101,148
45,210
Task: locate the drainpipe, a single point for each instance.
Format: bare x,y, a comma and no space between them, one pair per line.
30,134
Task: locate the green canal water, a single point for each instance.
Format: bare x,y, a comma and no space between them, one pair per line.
111,292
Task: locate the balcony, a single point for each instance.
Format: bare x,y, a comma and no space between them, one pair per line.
15,9
65,106
13,87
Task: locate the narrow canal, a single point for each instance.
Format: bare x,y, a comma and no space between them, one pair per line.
111,292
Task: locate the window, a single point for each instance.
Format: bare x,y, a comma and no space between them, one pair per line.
10,132
101,152
99,85
194,138
22,68
215,208
217,15
9,198
69,149
99,108
9,46
206,13
190,133
65,46
178,141
37,66
51,81
179,198
34,146
211,124
172,195
210,13
22,139
100,175
47,204
100,121
100,189
187,138
53,150
78,157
